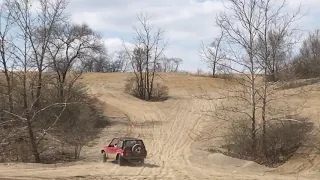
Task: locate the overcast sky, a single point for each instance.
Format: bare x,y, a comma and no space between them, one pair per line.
187,22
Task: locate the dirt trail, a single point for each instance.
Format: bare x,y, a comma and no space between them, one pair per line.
165,128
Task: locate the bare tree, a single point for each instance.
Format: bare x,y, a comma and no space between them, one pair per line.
274,36
276,62
306,64
278,37
21,15
70,45
148,48
6,50
32,39
120,61
88,65
101,63
249,54
240,32
213,54
39,30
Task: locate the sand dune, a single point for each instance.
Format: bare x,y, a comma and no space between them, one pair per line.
165,128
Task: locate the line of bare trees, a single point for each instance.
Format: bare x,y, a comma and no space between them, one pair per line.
117,61
120,61
42,57
169,64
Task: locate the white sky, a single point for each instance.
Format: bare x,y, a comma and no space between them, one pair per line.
187,22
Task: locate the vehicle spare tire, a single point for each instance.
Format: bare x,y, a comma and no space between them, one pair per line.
137,150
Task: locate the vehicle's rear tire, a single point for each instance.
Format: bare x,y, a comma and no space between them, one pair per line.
104,156
120,161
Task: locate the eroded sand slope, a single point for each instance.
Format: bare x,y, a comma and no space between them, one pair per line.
168,131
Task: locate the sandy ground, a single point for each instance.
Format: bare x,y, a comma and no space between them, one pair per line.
166,127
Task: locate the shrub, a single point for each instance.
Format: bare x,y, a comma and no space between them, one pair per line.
159,92
283,138
238,139
71,127
298,83
131,87
225,76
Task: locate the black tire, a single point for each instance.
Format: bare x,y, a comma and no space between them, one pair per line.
120,161
142,161
104,156
137,150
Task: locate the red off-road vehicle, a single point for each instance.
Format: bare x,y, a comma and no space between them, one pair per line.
125,149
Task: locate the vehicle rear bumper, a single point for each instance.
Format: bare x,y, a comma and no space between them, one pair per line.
133,158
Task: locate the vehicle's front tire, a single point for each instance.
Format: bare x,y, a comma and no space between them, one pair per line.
120,161
104,157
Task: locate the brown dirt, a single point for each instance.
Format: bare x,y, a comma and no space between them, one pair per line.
166,129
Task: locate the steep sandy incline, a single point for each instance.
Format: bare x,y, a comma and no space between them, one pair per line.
166,128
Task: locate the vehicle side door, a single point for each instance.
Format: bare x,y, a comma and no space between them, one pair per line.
112,148
120,147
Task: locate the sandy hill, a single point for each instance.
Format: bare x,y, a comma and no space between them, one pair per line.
168,129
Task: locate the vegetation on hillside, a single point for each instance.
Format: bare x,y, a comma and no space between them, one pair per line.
255,47
45,114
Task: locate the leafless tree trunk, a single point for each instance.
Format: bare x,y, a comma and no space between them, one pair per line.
240,30
270,46
278,37
21,16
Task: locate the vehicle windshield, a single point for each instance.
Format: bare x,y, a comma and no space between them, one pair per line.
131,143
